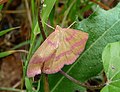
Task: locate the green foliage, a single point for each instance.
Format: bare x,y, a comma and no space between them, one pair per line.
3,32
21,44
103,27
69,11
1,6
111,63
28,84
10,89
6,53
47,8
35,31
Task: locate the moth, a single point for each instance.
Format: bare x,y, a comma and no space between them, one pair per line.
62,47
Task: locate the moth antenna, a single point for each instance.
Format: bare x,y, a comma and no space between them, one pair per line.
49,26
71,24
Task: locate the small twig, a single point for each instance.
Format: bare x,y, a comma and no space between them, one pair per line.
72,24
100,4
28,13
49,26
24,51
81,84
13,11
17,84
40,21
46,84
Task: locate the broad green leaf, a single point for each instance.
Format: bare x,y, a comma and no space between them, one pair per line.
47,8
103,27
7,30
111,63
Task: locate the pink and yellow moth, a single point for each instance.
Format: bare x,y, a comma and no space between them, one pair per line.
62,47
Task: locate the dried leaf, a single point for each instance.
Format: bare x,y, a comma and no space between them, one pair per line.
3,1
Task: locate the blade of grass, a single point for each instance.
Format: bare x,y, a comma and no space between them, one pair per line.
7,53
28,13
8,30
45,14
28,84
33,9
21,44
47,8
38,87
13,11
67,12
1,6
11,89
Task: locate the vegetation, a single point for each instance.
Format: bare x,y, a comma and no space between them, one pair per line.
97,68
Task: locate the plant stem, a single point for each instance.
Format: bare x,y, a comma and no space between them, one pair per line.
45,76
100,4
28,13
27,60
46,84
67,12
40,22
38,86
81,84
13,11
23,51
11,89
30,51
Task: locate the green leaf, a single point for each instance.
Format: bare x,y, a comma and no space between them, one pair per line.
111,63
103,27
28,84
21,44
6,53
48,5
47,8
10,89
7,30
1,6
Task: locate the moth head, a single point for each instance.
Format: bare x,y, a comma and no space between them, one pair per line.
58,28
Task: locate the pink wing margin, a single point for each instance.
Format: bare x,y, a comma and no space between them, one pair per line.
43,53
71,45
62,47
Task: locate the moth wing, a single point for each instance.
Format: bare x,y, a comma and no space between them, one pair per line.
63,55
71,44
64,49
55,64
43,53
77,41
